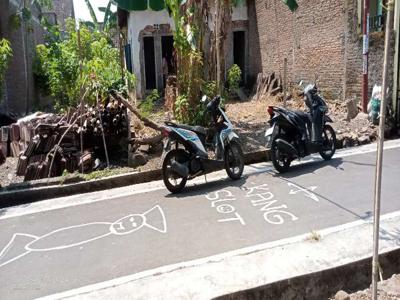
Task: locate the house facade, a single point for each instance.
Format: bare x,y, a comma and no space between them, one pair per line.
150,39
321,41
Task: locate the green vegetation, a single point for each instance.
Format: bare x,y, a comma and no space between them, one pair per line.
57,66
105,173
234,77
5,55
147,106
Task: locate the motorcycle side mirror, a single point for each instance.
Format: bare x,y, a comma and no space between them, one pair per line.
203,99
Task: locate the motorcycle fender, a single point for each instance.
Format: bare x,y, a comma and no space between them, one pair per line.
232,136
166,148
269,133
327,119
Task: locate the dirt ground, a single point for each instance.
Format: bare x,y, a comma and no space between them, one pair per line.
387,290
250,120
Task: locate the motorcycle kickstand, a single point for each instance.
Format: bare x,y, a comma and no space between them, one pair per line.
205,177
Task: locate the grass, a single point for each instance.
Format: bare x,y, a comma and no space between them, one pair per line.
95,174
104,173
314,236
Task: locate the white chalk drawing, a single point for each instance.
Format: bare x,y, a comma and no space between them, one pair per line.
153,218
261,197
308,192
219,201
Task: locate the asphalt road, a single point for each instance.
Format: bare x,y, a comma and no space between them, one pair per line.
51,251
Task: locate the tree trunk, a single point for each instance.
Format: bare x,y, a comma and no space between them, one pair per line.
26,58
217,42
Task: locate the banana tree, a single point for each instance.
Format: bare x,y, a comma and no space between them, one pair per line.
109,20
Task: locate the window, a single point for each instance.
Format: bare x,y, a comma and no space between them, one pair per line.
376,15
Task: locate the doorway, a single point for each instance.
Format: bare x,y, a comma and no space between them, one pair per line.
167,45
239,52
149,63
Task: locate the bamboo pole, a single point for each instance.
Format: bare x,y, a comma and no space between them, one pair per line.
102,130
81,103
379,158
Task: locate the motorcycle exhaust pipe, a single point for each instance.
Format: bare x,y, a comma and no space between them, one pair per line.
180,169
286,147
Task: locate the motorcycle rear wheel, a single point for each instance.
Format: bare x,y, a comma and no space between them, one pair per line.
173,182
329,142
281,161
234,161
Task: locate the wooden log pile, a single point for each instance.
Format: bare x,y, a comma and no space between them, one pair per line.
267,85
48,146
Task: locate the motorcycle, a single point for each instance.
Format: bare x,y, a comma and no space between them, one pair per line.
189,158
295,134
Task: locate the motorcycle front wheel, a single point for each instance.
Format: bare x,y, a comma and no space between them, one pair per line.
173,182
328,143
234,160
280,160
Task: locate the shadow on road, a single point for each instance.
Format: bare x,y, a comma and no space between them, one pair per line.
208,187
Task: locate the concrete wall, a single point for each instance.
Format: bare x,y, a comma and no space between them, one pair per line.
20,95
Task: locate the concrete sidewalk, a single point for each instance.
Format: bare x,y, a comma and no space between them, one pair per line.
313,266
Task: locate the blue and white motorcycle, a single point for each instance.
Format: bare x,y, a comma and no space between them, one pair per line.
186,149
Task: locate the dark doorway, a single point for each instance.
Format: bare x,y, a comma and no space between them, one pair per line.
149,62
239,51
167,44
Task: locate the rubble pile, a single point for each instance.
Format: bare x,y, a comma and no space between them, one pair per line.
48,144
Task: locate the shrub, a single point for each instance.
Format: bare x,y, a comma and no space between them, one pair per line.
234,77
57,66
147,106
5,55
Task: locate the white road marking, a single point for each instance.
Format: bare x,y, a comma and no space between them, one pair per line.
69,201
308,192
211,259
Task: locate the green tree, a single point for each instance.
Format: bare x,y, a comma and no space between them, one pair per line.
57,67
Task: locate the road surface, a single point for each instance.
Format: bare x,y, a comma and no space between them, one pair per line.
60,248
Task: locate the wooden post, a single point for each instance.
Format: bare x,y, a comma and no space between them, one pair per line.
379,158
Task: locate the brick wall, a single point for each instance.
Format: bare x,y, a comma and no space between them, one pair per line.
254,44
353,55
311,40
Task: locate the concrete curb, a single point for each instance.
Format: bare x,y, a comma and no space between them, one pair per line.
56,187
323,284
292,268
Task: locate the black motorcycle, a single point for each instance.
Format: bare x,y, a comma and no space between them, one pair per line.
189,158
296,134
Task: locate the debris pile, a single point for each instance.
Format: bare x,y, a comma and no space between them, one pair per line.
267,86
48,144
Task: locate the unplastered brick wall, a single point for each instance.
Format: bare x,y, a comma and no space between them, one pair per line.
311,39
354,58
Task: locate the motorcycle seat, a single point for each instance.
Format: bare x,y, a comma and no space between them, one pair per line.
306,117
197,129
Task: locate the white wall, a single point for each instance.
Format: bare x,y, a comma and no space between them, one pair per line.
137,21
239,13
